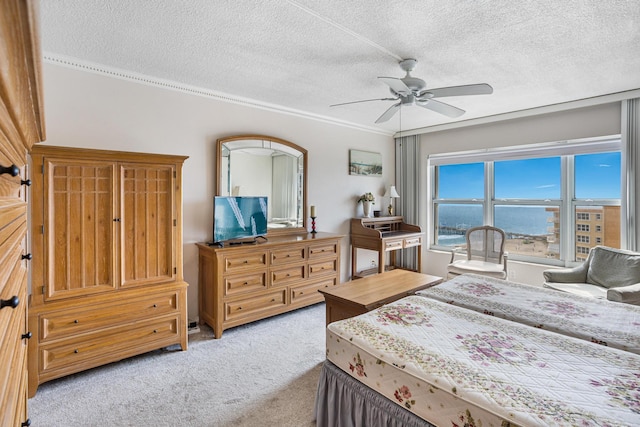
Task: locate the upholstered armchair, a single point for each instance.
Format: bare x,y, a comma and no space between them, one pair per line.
607,273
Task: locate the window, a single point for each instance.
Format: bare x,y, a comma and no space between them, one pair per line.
598,240
548,199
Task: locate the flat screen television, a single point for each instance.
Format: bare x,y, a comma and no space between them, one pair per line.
239,219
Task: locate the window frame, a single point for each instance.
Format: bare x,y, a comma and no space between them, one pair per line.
567,206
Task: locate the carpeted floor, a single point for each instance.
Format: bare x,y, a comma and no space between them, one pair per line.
261,374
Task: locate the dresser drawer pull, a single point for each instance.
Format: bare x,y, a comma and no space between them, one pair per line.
239,307
26,336
27,423
76,321
26,182
246,261
155,331
273,300
12,170
76,351
245,283
155,305
11,302
26,256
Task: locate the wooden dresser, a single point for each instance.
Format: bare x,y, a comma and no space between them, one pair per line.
107,279
21,125
241,284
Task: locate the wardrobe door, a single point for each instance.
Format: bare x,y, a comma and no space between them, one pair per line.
148,224
79,224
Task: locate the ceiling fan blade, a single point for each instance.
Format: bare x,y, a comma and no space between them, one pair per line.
441,107
389,113
397,85
477,89
364,100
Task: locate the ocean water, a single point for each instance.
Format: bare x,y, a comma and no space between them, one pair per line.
453,220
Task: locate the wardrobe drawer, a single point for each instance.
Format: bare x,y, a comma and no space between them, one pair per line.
283,256
253,306
245,283
76,354
282,276
72,321
245,260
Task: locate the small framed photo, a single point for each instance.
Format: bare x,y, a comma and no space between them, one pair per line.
365,163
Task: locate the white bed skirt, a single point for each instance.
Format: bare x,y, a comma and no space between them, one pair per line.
342,401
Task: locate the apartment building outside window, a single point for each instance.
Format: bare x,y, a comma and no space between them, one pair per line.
551,207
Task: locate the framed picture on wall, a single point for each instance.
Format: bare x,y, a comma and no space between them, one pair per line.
365,163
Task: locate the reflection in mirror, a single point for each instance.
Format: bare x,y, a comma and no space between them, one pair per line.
255,165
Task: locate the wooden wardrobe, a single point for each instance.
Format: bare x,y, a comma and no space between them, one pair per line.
107,281
21,125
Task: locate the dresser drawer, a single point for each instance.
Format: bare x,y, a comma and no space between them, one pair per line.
254,305
73,321
240,262
242,283
283,256
308,293
321,268
74,354
282,276
323,250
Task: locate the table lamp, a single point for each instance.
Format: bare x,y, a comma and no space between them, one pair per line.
391,194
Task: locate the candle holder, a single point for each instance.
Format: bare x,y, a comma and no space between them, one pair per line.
313,225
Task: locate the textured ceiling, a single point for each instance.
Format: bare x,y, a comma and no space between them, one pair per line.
305,55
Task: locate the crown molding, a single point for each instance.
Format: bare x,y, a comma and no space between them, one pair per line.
553,108
91,67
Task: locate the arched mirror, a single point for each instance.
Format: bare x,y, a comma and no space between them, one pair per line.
256,165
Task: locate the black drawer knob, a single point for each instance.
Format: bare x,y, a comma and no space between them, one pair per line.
26,256
11,302
26,182
27,423
12,170
27,336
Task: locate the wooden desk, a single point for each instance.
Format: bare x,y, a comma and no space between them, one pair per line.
383,234
363,295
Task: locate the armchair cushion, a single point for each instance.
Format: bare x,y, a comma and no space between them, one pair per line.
629,294
613,268
582,289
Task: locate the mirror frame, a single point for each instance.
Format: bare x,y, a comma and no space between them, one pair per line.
270,231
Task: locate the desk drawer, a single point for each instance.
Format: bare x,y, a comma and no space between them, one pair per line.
393,245
412,241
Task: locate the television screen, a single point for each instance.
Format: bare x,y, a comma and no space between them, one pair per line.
239,218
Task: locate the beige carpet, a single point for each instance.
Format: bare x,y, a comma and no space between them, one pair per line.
261,374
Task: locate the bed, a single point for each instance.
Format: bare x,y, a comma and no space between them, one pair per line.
449,366
597,320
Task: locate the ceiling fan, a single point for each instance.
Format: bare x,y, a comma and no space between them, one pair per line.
411,90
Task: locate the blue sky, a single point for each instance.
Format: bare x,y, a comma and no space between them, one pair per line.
597,176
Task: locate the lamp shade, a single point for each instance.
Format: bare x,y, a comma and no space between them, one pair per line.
391,192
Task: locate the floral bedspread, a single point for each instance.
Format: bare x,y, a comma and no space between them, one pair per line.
456,367
596,320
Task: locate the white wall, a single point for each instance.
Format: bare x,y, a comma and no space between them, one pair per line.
84,109
586,122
